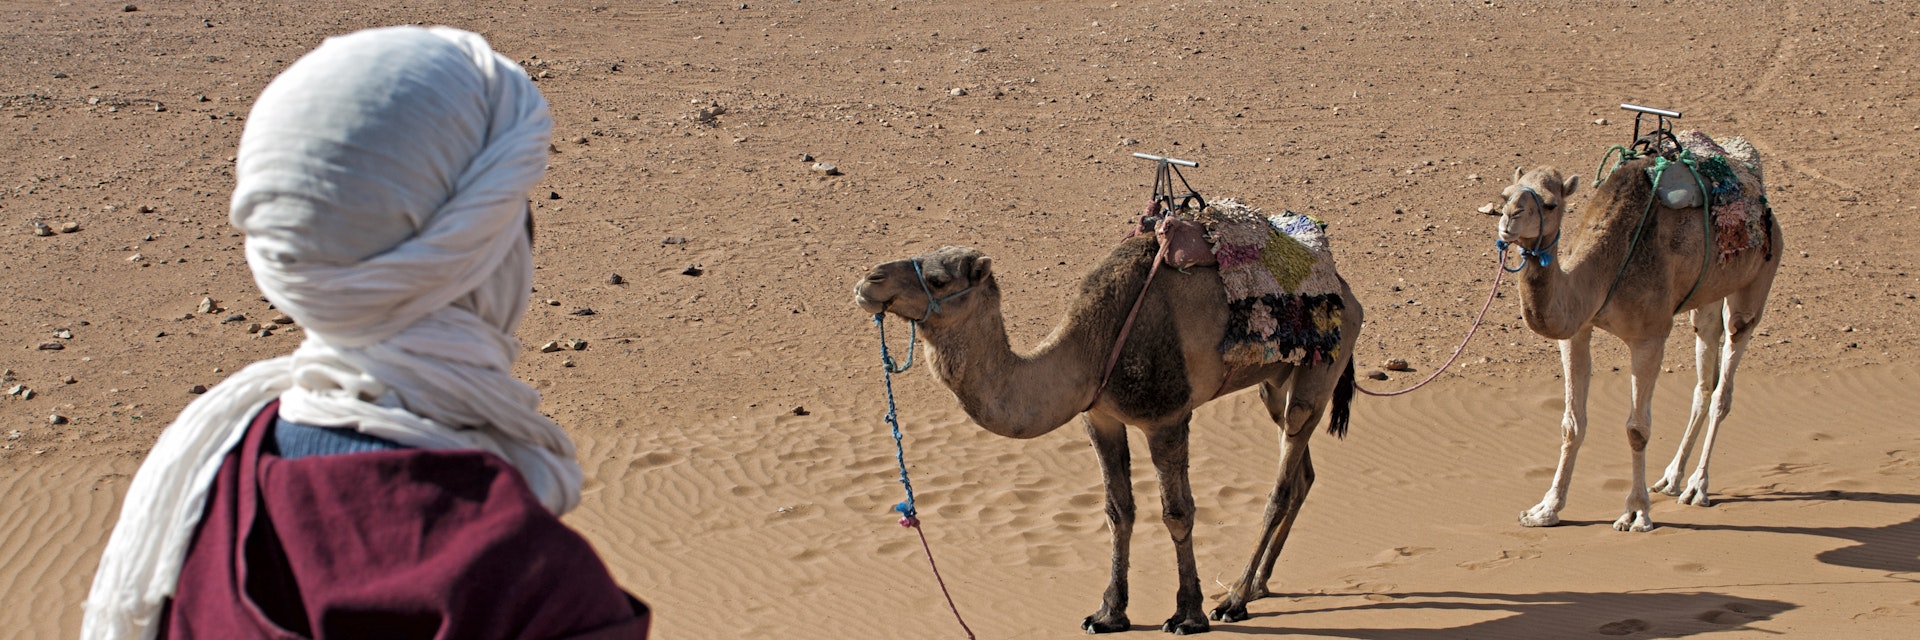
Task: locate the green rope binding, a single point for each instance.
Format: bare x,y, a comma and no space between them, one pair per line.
1602,172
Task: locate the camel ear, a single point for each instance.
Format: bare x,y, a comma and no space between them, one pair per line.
982,266
1517,173
1572,185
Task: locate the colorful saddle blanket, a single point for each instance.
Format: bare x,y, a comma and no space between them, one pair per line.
1732,176
1283,296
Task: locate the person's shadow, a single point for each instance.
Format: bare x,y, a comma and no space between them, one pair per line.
1665,614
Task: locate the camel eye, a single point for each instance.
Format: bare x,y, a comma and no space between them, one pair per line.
939,281
1552,205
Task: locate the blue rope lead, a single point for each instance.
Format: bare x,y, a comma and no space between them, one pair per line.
908,514
906,509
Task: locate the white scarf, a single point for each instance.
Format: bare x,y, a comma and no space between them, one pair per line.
382,184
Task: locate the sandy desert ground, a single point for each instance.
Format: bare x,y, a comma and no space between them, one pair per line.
730,421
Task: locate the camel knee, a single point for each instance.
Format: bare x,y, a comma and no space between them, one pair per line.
1300,415
1740,327
1637,438
1722,406
1179,524
1120,516
1571,431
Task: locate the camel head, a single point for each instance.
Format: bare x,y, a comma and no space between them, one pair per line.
1531,215
934,288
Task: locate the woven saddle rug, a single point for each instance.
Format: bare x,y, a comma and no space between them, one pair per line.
1283,296
1731,172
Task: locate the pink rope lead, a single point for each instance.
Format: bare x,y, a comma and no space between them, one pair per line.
914,523
1499,269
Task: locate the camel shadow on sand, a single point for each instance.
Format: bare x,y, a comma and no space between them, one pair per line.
1893,548
1667,614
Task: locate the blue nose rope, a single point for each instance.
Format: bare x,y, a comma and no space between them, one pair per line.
909,516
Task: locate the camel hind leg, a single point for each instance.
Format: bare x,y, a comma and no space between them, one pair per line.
1295,405
1743,313
1709,331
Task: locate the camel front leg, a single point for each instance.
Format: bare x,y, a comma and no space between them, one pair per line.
1647,354
1110,443
1709,330
1576,364
1296,418
1168,444
1741,322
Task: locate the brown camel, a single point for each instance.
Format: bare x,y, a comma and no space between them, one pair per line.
1170,365
1567,298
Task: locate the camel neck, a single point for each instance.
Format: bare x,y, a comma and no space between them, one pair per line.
1008,393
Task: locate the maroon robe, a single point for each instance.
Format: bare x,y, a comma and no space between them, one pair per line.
405,543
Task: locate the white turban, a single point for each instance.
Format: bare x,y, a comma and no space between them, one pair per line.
382,184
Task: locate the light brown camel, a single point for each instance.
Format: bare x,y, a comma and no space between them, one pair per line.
1567,298
1170,365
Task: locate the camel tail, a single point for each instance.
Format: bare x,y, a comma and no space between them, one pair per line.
1342,403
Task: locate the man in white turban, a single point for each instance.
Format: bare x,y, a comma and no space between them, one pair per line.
390,478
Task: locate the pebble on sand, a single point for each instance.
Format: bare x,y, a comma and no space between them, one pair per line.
207,305
1377,375
63,334
281,318
70,227
51,346
616,279
56,419
197,389
550,347
576,344
826,169
692,270
1396,364
41,229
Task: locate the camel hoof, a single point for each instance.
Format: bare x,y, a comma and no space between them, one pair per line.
1181,625
1669,485
1696,496
1229,611
1539,517
1634,521
1105,624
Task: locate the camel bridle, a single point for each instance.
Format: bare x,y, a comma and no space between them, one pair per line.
1542,255
933,303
